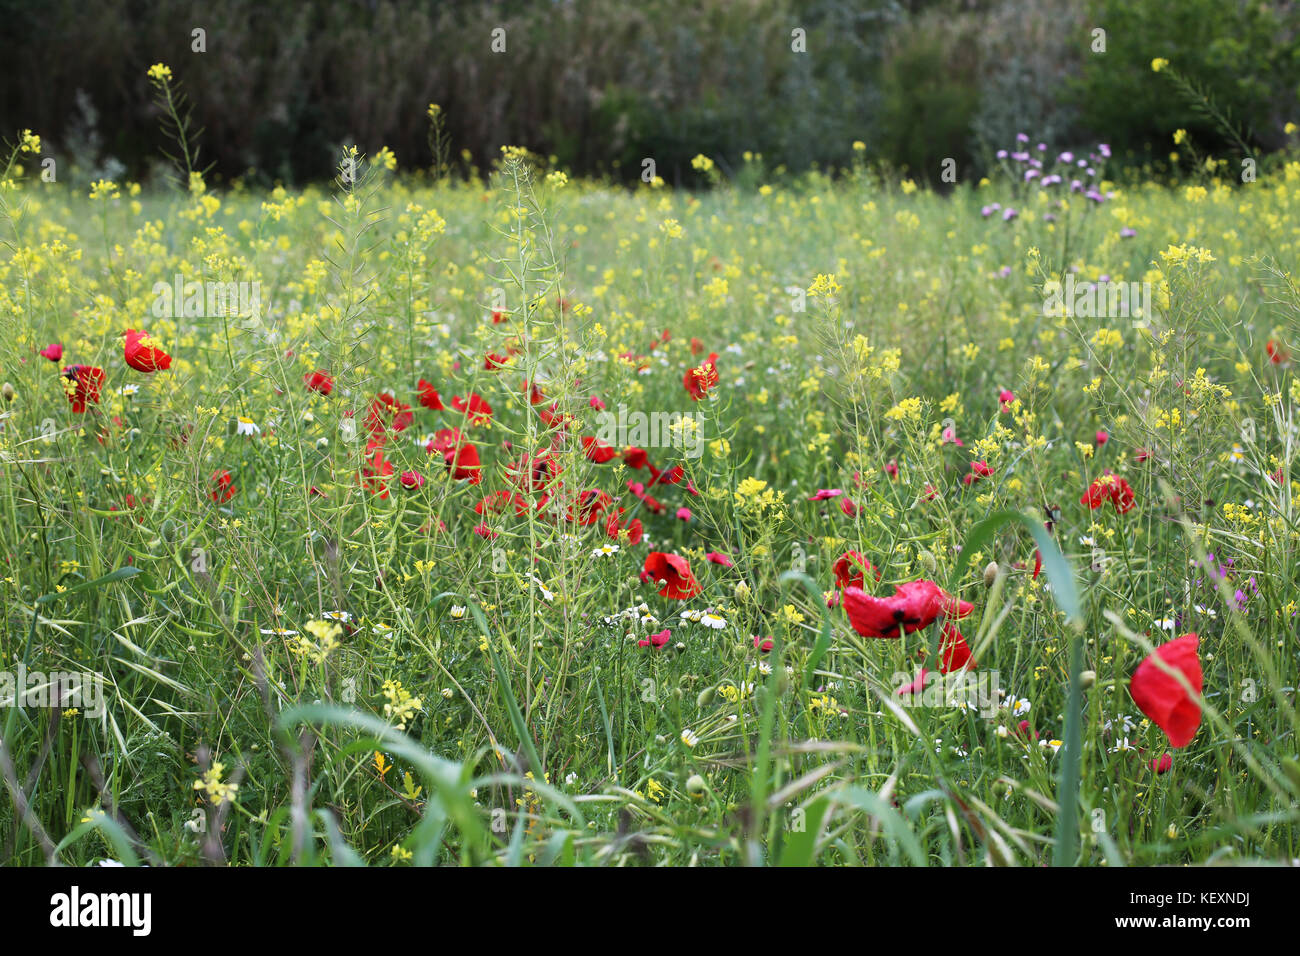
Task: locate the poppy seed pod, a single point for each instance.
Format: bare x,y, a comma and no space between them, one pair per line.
990,574
8,392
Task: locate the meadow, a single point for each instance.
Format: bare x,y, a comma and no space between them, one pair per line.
513,519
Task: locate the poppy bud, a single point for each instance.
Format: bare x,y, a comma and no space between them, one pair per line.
990,574
742,591
927,561
1087,679
695,785
706,697
8,391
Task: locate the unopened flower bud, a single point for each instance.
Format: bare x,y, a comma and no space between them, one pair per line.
990,574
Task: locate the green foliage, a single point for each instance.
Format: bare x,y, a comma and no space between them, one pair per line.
1241,56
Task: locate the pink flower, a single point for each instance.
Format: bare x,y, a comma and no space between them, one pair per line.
411,479
1102,438
824,493
597,404
656,640
717,557
684,514
53,352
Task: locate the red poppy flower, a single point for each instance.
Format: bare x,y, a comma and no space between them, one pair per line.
849,507
53,352
498,501
142,354
534,392
891,470
553,418
591,504
533,472
477,411
978,470
375,472
849,567
912,606
443,441
223,487
429,397
411,480
387,412
463,462
635,458
596,403
954,655
1006,397
82,385
1162,697
319,381
717,557
954,652
498,317
696,346
597,451
1162,764
675,573
1110,488
764,644
698,381
653,504
1276,354
673,476
824,493
616,528
656,640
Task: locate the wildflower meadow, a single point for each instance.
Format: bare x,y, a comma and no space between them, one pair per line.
488,514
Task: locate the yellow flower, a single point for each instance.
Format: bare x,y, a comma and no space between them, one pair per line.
1158,64
160,73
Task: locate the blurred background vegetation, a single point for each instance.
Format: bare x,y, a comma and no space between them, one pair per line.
601,84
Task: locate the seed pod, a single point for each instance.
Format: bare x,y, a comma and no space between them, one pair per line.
990,574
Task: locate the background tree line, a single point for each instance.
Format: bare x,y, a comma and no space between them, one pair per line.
601,84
